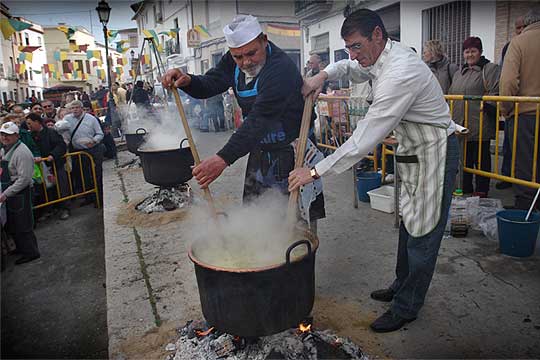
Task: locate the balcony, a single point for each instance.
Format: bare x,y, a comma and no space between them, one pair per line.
311,9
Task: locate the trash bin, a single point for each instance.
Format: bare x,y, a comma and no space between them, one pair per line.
366,181
517,237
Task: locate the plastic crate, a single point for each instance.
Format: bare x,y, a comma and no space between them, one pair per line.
382,199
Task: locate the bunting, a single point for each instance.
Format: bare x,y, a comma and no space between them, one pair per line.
283,30
68,31
203,31
132,73
120,61
145,59
10,26
28,49
36,71
26,57
119,70
73,47
151,34
111,34
20,68
93,54
174,32
57,55
63,55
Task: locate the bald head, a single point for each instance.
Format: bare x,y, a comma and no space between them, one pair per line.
314,61
519,24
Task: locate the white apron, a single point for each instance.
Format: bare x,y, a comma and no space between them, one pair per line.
421,159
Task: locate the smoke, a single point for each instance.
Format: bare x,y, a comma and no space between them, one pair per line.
252,236
163,126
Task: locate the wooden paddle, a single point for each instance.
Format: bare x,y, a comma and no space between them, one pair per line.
207,193
292,208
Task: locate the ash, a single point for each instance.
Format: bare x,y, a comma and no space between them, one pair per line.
132,164
167,199
289,344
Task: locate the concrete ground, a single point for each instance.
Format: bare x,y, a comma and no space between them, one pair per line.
481,304
55,307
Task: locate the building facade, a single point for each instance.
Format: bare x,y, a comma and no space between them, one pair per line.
413,23
276,17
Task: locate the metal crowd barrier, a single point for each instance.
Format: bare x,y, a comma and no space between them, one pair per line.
335,128
74,156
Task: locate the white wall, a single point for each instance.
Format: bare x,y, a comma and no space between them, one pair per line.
483,14
482,23
39,58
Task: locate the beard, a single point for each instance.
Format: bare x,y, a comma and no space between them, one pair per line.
254,70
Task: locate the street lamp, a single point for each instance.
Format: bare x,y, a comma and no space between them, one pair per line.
104,11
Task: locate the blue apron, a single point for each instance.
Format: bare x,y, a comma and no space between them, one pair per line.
269,164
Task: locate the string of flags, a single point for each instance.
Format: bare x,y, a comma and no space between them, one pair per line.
10,26
28,49
26,57
68,31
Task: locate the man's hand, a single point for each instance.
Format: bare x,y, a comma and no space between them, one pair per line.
3,198
50,158
208,170
37,160
175,77
299,177
90,144
314,84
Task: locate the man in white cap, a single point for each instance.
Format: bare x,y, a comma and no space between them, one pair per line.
17,164
267,85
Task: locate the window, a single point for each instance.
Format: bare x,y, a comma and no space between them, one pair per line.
158,12
4,97
65,66
26,39
449,23
216,58
31,75
2,73
88,70
132,40
79,65
33,93
26,75
39,40
12,69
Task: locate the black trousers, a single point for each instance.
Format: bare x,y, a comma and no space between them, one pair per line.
524,195
481,182
97,155
20,222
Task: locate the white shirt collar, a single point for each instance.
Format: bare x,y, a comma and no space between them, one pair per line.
375,69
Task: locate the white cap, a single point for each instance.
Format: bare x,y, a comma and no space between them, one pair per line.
9,128
242,30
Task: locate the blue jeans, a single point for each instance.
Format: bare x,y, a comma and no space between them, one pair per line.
417,256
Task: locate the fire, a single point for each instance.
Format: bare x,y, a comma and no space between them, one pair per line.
204,333
304,328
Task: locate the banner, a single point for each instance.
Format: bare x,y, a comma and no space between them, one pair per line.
283,30
203,31
28,48
68,31
111,34
10,26
26,57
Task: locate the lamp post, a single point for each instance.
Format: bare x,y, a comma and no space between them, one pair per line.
104,11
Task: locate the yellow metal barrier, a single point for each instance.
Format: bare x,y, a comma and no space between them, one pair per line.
69,173
517,100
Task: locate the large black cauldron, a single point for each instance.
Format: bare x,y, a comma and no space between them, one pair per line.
133,141
260,301
166,168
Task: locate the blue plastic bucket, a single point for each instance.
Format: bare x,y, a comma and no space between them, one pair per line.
517,237
367,181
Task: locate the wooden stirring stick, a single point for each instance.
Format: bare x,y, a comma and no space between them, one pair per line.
207,193
292,208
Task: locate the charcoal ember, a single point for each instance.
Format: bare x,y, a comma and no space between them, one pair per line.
167,199
223,345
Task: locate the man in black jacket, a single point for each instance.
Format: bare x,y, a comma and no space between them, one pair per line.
268,86
53,148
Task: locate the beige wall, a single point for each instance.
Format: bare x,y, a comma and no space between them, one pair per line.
506,14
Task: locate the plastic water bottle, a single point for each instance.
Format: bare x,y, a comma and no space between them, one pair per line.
459,221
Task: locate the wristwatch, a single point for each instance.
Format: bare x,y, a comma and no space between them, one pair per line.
314,174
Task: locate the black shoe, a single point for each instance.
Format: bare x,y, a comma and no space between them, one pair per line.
25,259
501,185
388,322
385,295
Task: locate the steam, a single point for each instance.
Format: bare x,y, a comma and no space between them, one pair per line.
252,236
163,126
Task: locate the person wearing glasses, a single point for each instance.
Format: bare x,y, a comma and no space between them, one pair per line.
267,85
49,111
408,100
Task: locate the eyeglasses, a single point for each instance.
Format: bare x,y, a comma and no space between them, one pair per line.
353,48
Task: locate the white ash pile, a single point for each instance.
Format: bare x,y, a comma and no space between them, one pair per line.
198,341
167,199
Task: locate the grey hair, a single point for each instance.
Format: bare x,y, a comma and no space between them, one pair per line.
75,103
531,17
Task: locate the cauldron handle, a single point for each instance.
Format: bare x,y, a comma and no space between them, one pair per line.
290,248
142,132
181,142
